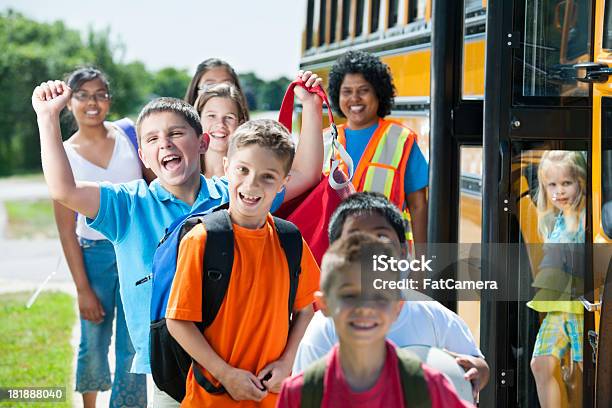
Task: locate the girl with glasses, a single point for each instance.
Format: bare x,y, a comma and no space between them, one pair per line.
98,151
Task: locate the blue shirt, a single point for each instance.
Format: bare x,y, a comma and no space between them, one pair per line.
417,171
134,217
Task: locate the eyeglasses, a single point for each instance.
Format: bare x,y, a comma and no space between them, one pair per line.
84,96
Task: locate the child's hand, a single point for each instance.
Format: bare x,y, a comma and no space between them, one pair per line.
50,97
310,81
472,375
242,385
90,307
273,374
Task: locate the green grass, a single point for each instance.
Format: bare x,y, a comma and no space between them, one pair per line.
30,219
35,344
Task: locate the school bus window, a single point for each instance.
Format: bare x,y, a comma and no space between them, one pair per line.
374,15
346,19
322,21
393,13
332,22
359,18
472,83
309,21
416,10
607,30
556,37
472,5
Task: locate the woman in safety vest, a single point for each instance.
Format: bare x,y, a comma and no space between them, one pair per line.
386,156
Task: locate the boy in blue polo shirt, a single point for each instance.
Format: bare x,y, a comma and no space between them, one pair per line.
133,215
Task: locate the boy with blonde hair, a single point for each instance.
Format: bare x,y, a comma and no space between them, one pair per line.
250,346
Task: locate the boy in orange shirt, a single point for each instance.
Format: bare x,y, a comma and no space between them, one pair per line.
250,346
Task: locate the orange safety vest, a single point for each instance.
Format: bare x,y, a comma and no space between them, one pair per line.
382,166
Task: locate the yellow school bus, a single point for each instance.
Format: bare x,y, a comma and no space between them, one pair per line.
506,91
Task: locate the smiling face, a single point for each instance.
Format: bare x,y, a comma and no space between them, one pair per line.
170,147
361,319
90,103
219,119
562,188
358,101
255,175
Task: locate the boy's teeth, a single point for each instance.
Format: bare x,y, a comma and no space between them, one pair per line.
168,158
248,198
363,325
171,162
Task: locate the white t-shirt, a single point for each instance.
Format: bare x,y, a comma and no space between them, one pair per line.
419,323
123,166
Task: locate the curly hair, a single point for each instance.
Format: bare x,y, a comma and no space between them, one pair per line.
373,70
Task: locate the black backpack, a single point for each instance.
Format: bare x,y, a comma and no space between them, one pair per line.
170,364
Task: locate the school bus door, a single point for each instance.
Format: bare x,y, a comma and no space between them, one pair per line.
534,103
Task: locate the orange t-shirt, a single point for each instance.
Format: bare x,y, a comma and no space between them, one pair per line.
252,326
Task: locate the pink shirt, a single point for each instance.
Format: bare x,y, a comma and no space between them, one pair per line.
387,392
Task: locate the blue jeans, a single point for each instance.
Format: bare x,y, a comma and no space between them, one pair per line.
93,373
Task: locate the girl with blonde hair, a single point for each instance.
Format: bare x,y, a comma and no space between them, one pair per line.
561,203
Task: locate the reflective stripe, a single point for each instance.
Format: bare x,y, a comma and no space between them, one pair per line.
388,151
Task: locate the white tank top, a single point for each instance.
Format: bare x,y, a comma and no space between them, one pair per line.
123,166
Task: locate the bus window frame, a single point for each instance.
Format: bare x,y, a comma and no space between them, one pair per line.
518,99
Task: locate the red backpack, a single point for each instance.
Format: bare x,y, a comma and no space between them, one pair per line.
312,209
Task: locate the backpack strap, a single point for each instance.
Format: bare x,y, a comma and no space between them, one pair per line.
218,269
127,126
312,390
215,276
291,240
414,386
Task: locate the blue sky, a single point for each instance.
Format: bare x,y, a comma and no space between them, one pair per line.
263,36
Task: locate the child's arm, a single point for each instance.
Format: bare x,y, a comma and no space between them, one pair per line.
308,161
239,384
48,100
90,307
280,369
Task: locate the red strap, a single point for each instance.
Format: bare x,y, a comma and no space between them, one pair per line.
285,115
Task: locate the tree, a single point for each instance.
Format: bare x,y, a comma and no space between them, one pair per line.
33,52
171,82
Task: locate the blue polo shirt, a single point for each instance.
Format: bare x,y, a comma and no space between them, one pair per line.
417,170
134,217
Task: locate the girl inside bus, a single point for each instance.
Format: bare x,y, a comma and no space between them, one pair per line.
561,221
386,156
98,151
221,108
